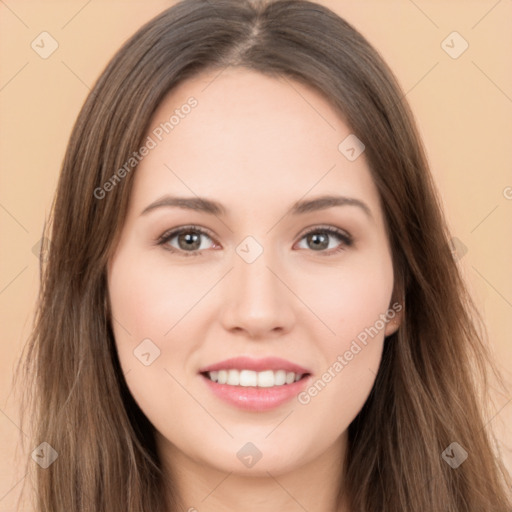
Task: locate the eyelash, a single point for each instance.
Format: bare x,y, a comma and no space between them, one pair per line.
345,238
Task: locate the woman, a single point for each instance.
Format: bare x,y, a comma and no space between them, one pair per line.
319,350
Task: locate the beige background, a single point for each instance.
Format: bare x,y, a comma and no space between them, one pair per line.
463,107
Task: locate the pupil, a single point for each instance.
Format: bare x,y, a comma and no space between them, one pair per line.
191,240
318,242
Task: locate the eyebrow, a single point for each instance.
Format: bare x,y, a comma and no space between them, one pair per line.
212,207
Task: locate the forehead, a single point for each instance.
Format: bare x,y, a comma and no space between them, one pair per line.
249,137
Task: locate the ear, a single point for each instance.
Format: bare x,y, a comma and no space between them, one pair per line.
393,324
395,313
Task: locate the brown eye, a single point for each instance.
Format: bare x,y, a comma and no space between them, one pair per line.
321,239
188,241
318,241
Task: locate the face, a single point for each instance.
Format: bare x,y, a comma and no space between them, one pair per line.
283,298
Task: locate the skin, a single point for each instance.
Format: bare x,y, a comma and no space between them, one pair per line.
257,145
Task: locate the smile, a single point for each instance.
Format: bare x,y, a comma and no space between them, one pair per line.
255,384
246,378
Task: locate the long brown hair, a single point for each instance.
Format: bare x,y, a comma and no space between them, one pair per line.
432,387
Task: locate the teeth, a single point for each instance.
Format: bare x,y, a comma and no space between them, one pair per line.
244,378
233,378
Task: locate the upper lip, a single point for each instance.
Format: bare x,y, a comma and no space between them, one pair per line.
257,365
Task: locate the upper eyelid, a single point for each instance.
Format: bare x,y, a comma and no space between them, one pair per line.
176,231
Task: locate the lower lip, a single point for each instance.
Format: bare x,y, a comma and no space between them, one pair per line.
253,398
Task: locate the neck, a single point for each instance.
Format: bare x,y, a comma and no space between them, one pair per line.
203,488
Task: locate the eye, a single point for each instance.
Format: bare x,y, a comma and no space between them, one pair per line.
188,240
319,239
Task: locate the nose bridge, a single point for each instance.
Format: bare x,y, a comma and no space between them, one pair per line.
256,300
254,278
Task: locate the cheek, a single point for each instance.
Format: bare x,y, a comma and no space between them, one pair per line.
352,298
154,311
141,314
146,302
148,297
352,305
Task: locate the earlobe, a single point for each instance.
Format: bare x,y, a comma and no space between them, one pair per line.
396,309
393,324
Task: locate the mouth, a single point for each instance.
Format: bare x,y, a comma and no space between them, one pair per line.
255,384
250,378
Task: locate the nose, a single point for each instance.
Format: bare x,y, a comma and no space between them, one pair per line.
257,301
